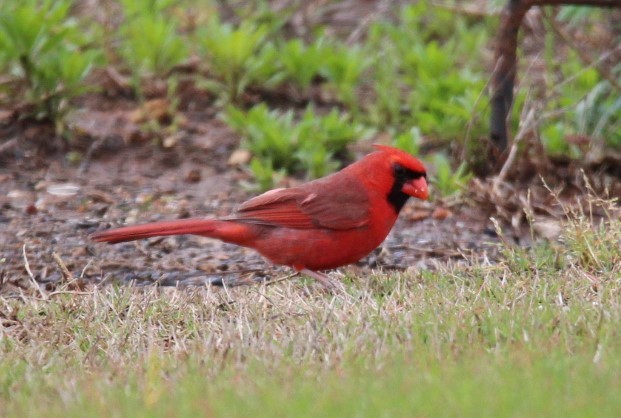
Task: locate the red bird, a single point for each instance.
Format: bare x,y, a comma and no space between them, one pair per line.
320,225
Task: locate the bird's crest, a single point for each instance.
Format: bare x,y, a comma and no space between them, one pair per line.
401,157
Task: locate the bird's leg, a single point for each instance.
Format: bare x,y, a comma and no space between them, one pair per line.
324,280
384,252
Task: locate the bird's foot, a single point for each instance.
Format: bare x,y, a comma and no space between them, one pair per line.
323,279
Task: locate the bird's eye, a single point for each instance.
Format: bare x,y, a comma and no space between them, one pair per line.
399,170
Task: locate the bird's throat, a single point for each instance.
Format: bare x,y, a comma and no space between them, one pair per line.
396,197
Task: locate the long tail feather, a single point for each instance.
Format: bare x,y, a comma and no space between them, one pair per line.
193,226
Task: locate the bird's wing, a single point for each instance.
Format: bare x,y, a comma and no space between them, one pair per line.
333,202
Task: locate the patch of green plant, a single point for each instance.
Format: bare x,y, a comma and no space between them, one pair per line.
437,21
151,44
300,63
553,139
443,96
388,107
238,57
599,113
261,12
47,53
580,15
268,134
409,141
343,66
309,145
264,174
448,181
582,104
134,8
340,66
423,77
593,246
524,262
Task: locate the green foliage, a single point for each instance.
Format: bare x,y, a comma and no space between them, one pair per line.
134,8
343,66
280,143
554,143
388,108
598,114
300,63
264,174
594,248
151,44
446,180
46,52
589,105
339,65
238,56
423,77
267,134
579,15
409,141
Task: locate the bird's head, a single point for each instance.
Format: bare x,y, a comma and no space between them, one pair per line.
408,174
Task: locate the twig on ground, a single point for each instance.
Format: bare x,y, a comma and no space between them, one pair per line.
8,145
63,268
34,282
282,279
88,156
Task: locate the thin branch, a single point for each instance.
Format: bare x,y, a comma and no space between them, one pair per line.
63,268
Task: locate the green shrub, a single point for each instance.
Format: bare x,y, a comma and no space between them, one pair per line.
446,180
425,73
300,63
151,44
46,52
581,103
409,141
343,66
309,145
238,56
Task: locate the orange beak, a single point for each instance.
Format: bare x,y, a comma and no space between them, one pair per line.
416,188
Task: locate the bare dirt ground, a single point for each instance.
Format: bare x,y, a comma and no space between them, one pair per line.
49,206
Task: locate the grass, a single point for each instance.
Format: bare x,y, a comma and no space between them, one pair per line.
534,334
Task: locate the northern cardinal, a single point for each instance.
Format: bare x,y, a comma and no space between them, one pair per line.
320,225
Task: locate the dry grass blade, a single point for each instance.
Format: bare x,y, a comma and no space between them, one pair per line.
31,276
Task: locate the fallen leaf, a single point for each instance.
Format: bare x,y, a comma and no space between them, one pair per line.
441,213
172,140
193,176
156,109
239,157
419,215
